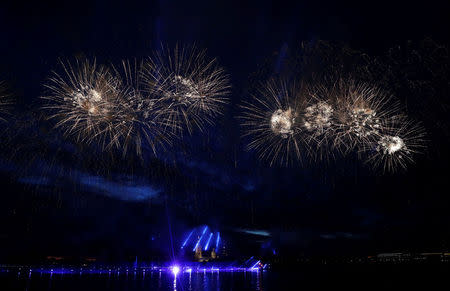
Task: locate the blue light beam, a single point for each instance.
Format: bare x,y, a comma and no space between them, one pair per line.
209,239
217,242
248,261
187,239
200,239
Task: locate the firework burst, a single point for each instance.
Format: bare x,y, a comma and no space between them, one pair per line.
317,117
362,113
317,122
397,147
87,102
272,122
192,86
144,118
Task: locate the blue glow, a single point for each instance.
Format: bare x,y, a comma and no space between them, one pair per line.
128,191
209,239
217,242
34,180
255,232
249,186
200,239
187,239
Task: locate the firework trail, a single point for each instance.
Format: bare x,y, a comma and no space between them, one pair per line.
397,147
272,122
192,86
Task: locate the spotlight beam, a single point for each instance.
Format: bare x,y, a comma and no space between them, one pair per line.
200,239
217,241
187,239
209,239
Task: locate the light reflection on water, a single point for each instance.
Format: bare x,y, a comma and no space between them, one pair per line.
150,280
320,277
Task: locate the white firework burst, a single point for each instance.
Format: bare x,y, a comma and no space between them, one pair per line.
271,120
87,102
143,120
317,117
361,114
398,146
282,122
191,85
390,145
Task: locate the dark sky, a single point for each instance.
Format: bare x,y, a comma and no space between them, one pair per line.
61,198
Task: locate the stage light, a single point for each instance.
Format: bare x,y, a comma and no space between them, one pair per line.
175,270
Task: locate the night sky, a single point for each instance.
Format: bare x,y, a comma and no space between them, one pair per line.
62,198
